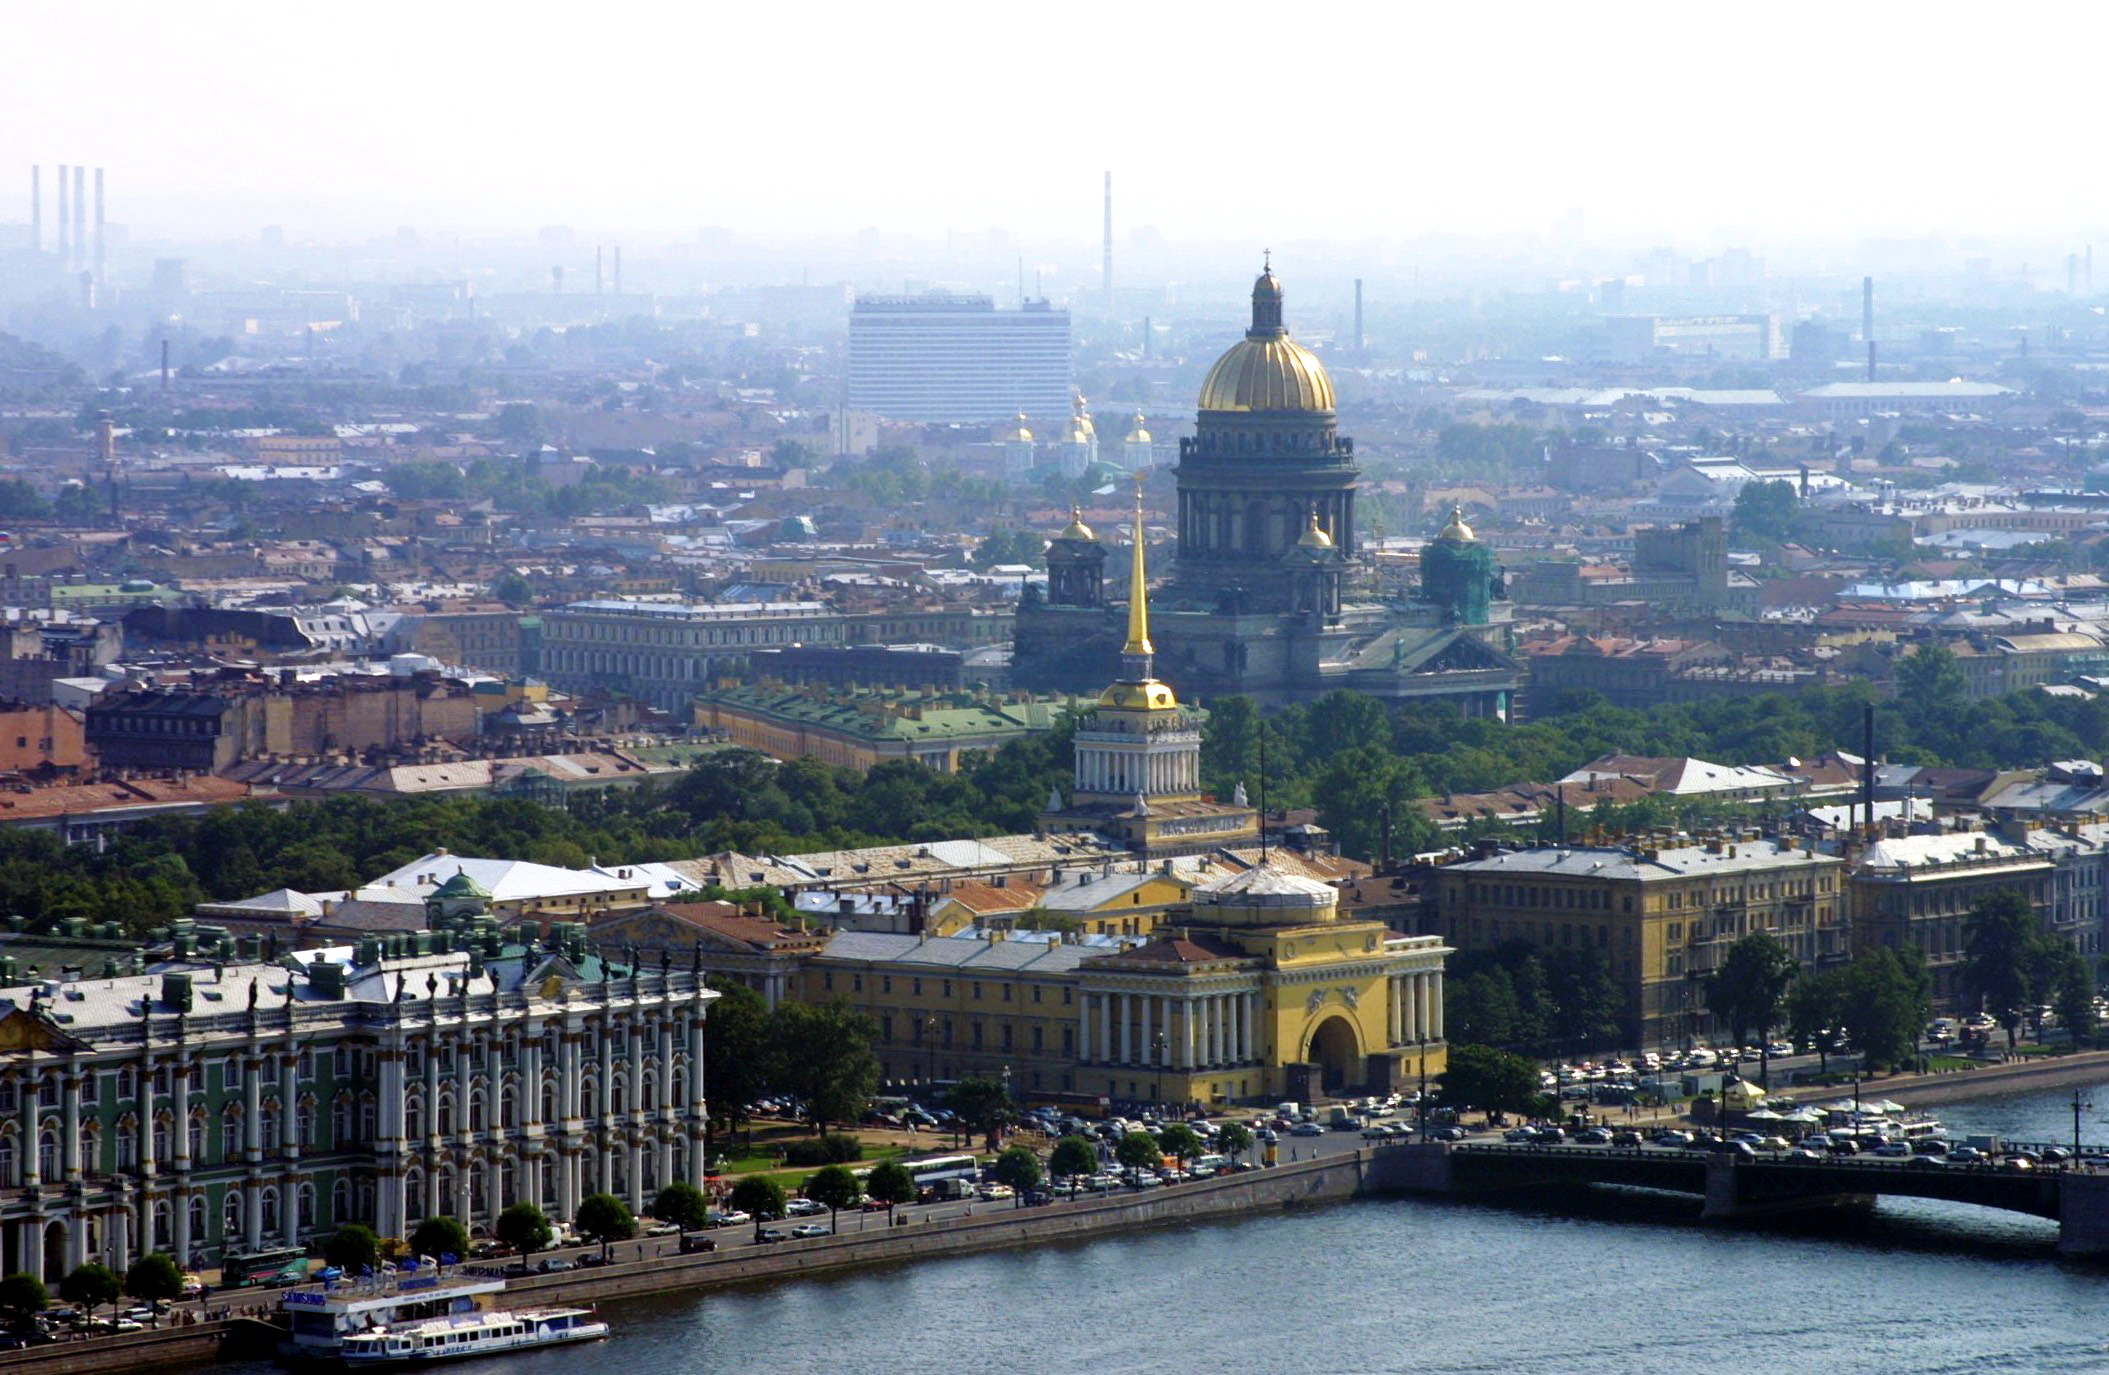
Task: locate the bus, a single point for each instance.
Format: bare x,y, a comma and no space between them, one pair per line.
943,1175
282,1265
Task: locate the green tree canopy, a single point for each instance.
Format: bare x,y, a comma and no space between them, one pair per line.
353,1249
682,1204
1073,1157
760,1197
90,1286
22,1295
1490,1080
1816,1013
1019,1167
1139,1151
835,1186
1749,990
2004,951
606,1219
736,1072
524,1227
1233,1139
1180,1142
984,1107
824,1058
1767,510
890,1183
1888,995
154,1278
439,1236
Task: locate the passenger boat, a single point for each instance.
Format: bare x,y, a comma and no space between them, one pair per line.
320,1318
461,1336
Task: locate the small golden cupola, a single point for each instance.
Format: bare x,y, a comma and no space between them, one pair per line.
1137,689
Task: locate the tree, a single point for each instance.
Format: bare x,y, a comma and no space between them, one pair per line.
825,1060
1490,1080
1139,1151
760,1196
684,1205
154,1278
1075,1157
1019,1168
835,1186
1888,995
439,1237
2072,992
524,1227
90,1286
735,1073
1233,1139
1180,1141
1816,1013
1750,989
22,1297
353,1249
513,589
984,1109
606,1219
2001,953
1766,510
891,1184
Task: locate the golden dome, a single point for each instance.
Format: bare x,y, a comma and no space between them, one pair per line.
1146,696
1138,435
1315,537
1019,435
1076,529
1457,532
1080,429
1266,370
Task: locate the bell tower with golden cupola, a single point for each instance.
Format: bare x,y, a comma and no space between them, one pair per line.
1138,756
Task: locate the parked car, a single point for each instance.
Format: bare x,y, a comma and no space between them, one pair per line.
804,1207
810,1229
775,1234
551,1265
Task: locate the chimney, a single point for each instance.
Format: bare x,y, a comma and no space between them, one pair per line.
36,209
80,215
618,269
1360,344
596,269
1867,322
99,226
164,365
64,261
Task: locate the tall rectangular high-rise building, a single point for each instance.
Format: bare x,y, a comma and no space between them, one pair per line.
957,359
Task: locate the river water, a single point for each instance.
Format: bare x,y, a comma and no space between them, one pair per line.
1621,1283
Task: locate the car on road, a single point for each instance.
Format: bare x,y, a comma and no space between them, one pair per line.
1625,1138
804,1207
1307,1129
553,1264
995,1193
663,1229
1518,1135
1803,1153
1925,1162
1450,1134
1593,1136
810,1229
1673,1138
1966,1155
732,1217
775,1234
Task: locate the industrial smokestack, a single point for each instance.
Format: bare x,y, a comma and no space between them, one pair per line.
1867,765
618,269
596,269
99,279
1145,338
1867,322
1359,344
36,209
80,215
164,365
64,261
1107,268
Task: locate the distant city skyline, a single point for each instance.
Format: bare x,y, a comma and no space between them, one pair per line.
1652,121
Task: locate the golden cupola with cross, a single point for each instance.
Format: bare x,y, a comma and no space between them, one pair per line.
1138,755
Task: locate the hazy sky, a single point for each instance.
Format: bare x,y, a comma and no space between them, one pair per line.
1220,121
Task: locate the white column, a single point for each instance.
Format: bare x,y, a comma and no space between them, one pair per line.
1104,1041
1189,1040
1410,1008
1435,1003
1251,1048
1125,1011
1148,1047
70,1147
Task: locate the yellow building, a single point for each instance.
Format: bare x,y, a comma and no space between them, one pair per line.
1256,990
1662,918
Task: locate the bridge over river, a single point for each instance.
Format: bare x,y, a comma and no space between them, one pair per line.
1736,1187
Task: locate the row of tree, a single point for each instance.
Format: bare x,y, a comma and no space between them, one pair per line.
153,1278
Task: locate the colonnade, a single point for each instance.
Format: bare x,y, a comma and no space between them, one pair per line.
1197,1030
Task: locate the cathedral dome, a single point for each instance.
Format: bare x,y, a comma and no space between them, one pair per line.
1076,529
1266,370
1315,537
1019,434
1457,532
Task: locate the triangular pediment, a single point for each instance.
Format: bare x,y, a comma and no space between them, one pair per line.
22,1034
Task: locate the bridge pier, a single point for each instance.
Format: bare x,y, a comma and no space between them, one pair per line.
1726,1200
1416,1168
2083,1213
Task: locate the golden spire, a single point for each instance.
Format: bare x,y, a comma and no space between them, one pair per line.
1138,597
